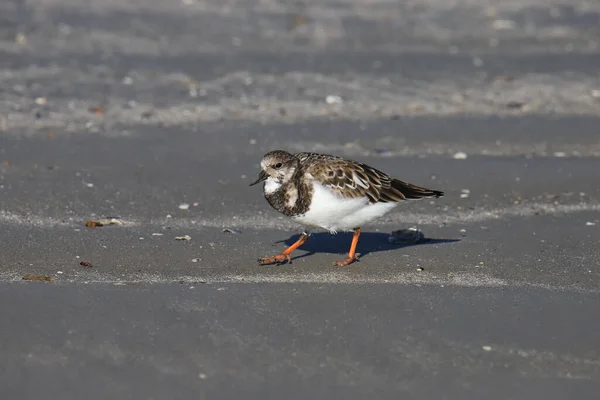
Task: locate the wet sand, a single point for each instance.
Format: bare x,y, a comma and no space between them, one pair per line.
134,108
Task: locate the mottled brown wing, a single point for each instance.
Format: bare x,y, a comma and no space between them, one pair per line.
351,179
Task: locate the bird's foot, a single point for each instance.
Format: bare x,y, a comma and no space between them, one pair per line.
347,261
278,259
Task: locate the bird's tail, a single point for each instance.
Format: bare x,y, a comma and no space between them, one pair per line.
411,191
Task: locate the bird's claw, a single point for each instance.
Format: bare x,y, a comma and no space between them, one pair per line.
347,261
278,259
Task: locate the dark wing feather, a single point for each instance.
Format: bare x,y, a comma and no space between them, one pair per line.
352,179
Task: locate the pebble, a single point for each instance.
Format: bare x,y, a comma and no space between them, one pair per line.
184,206
20,38
333,99
460,156
503,24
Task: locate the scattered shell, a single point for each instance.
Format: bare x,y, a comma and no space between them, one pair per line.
420,269
195,260
590,223
487,348
406,237
157,234
184,206
186,237
460,156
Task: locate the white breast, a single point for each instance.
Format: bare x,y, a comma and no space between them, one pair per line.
334,213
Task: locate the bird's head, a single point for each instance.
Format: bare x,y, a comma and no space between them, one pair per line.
277,168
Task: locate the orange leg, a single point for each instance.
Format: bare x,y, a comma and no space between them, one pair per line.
285,256
352,253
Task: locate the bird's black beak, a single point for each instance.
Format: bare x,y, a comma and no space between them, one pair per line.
261,177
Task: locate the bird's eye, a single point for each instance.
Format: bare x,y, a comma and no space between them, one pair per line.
278,165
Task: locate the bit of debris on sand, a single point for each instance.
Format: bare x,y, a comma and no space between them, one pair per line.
38,278
406,237
104,221
86,264
186,237
230,230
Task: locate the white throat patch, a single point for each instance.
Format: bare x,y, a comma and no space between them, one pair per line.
271,185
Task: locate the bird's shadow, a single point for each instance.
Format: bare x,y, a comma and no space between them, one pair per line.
369,242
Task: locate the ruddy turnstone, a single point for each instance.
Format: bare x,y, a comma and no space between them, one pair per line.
329,192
